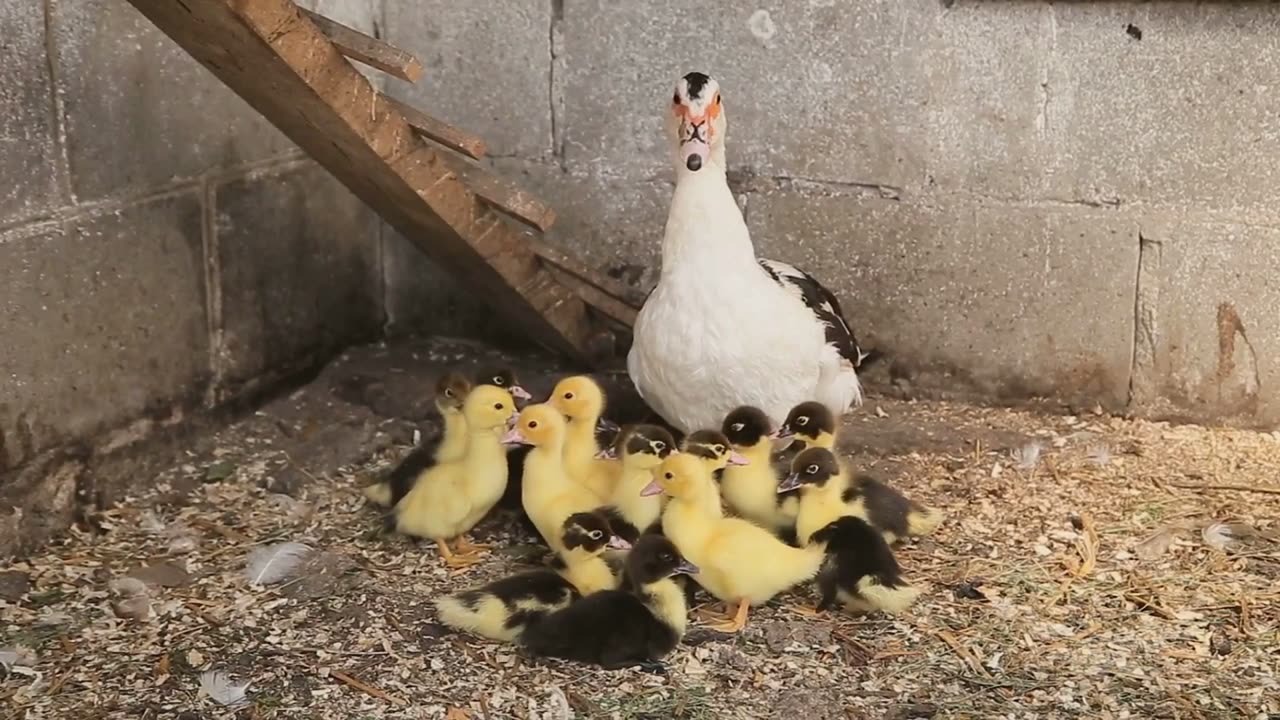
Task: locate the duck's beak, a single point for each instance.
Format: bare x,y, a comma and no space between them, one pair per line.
695,145
653,488
791,482
693,153
520,393
617,543
782,433
513,437
606,454
737,458
686,568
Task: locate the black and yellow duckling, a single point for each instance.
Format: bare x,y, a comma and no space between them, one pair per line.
450,392
637,624
640,449
809,424
860,570
501,610
827,492
751,490
715,452
450,498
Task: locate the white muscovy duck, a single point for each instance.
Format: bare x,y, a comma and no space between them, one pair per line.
722,328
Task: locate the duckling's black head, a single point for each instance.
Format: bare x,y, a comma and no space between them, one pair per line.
647,440
589,531
504,378
653,558
451,391
746,426
714,446
814,466
808,420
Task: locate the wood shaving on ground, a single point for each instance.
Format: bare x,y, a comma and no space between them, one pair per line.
1088,567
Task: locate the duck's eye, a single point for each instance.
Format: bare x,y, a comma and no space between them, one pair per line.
802,420
717,100
675,98
497,406
812,469
659,445
533,424
448,392
718,448
669,476
568,396
497,380
736,426
596,534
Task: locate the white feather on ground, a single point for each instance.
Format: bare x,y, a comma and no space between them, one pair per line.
221,690
276,563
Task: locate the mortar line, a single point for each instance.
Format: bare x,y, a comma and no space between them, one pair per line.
213,289
57,106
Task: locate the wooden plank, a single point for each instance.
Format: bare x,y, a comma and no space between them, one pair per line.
505,196
607,286
371,51
441,132
611,307
279,62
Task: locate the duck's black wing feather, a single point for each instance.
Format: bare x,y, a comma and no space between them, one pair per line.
822,302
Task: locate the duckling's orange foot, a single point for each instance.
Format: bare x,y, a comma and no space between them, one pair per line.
461,562
804,611
466,547
706,614
738,622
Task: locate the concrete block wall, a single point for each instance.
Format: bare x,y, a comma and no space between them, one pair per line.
1013,199
163,251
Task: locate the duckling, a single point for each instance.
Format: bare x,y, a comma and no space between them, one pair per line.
810,424
451,498
450,391
506,378
502,609
641,448
581,400
716,454
548,495
636,625
751,490
584,562
739,561
828,493
860,569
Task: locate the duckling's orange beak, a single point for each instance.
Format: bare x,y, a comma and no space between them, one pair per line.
791,482
513,436
737,458
653,488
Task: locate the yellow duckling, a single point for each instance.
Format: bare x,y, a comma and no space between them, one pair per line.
739,562
450,392
451,498
502,609
751,490
548,495
827,493
581,400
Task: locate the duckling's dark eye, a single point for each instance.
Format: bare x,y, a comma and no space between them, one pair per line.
718,448
497,406
533,424
448,392
568,396
802,420
596,534
670,476
736,426
659,445
497,380
812,469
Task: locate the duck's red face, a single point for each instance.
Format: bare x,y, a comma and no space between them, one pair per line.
698,118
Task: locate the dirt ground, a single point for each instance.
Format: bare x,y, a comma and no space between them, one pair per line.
1088,567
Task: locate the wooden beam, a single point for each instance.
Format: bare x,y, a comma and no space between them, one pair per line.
440,132
278,61
371,51
505,196
625,295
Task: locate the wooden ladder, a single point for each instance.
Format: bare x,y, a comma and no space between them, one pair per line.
415,171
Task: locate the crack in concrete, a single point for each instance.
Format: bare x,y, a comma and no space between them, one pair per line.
1146,301
555,92
745,180
58,107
